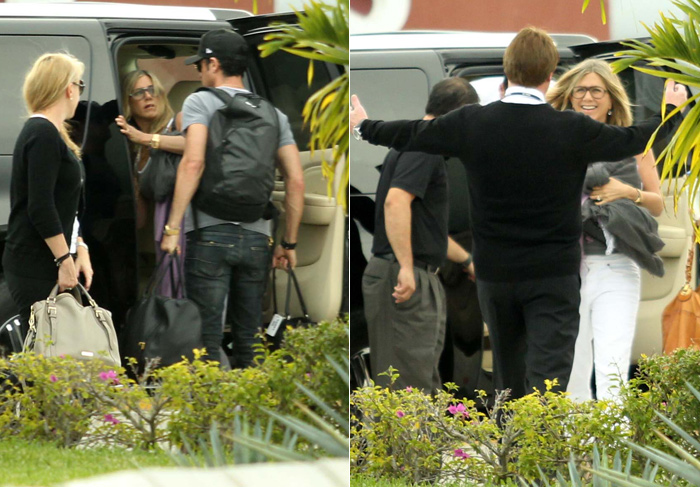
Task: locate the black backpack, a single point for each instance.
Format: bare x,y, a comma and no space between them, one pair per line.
239,174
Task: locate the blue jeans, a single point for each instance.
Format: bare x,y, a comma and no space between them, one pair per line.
228,261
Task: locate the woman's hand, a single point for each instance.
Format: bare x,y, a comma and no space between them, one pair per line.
131,132
67,275
84,266
612,191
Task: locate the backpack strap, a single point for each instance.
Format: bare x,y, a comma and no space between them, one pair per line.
219,93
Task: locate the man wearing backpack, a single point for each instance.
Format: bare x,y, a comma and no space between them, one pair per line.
231,147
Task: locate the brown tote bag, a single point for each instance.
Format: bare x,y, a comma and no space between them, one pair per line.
681,318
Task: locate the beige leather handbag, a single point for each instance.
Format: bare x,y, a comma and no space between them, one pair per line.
61,325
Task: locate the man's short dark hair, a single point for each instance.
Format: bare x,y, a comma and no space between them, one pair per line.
234,66
449,94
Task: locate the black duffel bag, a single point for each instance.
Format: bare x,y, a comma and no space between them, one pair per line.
274,334
161,326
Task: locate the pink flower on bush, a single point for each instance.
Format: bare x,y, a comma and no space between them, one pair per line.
111,376
459,453
409,389
111,419
53,378
400,414
458,409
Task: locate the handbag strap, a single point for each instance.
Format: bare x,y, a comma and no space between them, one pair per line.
274,290
291,281
177,285
689,269
298,289
52,310
158,275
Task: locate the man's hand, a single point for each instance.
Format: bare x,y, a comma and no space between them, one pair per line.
169,244
84,266
675,93
284,259
470,271
405,286
357,112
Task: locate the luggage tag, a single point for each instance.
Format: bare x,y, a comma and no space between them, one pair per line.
274,325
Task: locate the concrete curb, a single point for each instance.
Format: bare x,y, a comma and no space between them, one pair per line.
322,473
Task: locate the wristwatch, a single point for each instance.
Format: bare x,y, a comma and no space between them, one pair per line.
357,130
167,230
468,262
288,246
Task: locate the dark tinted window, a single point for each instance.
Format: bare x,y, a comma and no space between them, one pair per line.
284,77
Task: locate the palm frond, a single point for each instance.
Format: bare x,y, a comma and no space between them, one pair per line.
322,34
674,45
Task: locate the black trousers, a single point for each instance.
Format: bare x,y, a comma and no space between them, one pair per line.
533,327
26,291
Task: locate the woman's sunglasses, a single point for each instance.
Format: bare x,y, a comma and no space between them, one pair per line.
141,92
81,86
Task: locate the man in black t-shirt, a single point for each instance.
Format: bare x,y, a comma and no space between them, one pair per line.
404,299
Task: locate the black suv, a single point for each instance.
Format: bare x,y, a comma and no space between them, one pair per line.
111,40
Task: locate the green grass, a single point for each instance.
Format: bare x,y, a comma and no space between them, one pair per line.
42,464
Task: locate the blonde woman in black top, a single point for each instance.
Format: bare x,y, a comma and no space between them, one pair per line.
46,187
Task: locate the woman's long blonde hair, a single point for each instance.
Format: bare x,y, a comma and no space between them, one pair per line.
559,95
46,83
165,112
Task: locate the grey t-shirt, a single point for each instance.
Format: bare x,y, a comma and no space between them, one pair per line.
200,108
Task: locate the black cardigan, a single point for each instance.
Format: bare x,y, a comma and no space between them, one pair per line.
525,167
45,193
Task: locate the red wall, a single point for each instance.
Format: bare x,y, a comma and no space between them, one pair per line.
556,16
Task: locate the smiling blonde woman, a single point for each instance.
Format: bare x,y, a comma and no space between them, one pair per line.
610,275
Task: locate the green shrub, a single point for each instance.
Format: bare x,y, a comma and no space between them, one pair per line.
660,385
73,402
50,399
412,435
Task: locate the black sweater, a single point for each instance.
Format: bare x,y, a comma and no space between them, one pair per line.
525,167
45,192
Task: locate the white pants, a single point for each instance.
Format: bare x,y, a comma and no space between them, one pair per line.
610,291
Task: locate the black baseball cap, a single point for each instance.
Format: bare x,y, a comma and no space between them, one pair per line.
221,44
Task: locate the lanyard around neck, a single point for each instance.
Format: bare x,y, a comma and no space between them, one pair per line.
529,95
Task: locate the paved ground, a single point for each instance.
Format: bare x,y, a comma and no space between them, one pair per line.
323,473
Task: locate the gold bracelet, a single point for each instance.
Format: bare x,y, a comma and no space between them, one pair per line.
155,141
638,201
167,230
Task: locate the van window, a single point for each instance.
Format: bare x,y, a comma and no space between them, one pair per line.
17,54
488,88
378,91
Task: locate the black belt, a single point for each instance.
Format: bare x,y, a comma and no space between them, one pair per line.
432,269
